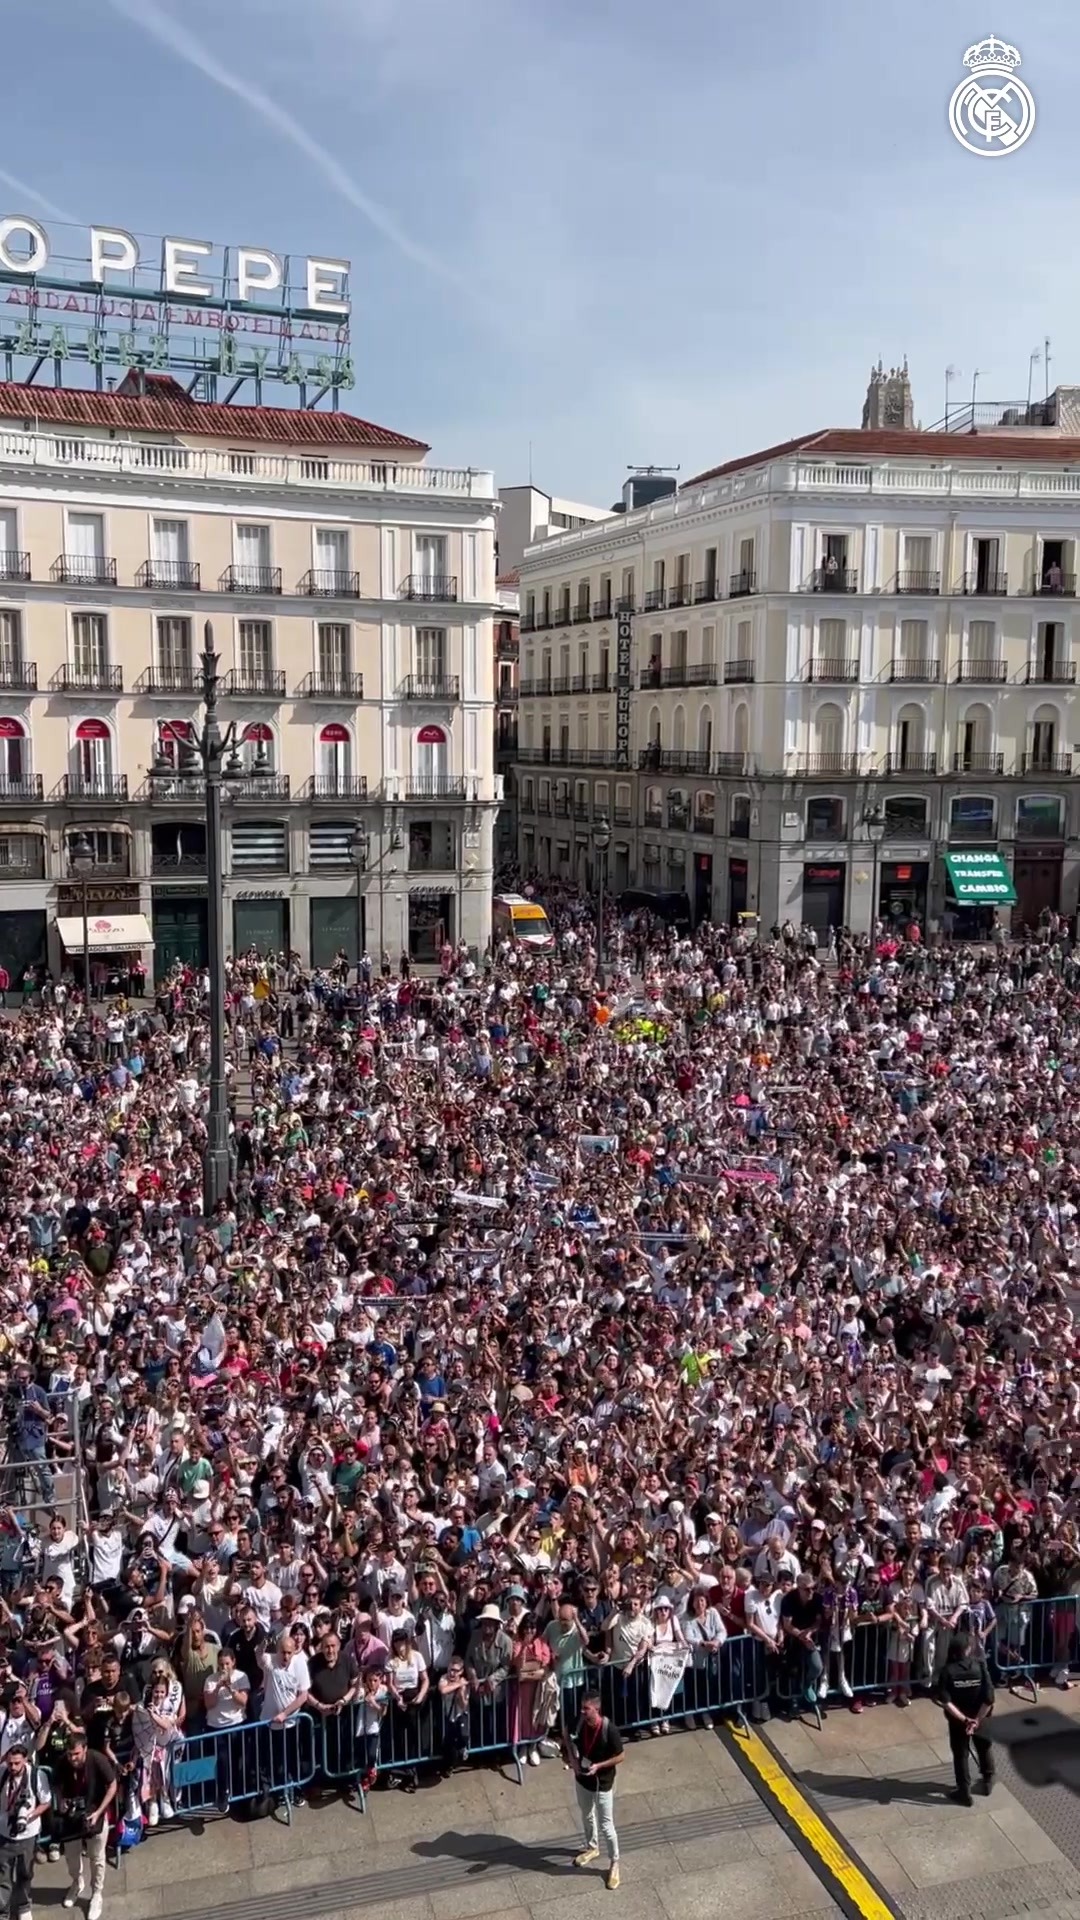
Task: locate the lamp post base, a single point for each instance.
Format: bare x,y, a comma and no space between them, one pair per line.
216,1173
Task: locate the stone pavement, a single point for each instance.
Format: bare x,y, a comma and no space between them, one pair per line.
881,1778
696,1842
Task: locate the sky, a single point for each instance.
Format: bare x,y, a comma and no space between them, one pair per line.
583,235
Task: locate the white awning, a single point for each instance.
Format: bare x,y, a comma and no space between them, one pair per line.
107,933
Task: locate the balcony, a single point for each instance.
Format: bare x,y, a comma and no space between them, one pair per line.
679,595
167,680
1061,587
561,683
87,679
812,765
259,786
601,609
916,580
18,676
911,763
654,599
507,646
706,591
172,790
678,819
672,760
834,670
579,683
560,756
622,816
250,578
84,786
1050,763
582,810
908,672
834,580
441,689
534,689
326,684
731,763
84,570
1055,673
739,829
561,616
738,673
701,673
653,817
506,742
527,623
740,584
964,762
625,603
986,585
430,587
602,682
435,786
582,613
506,693
176,866
543,806
330,583
262,682
541,622
13,564
989,673
16,793
180,576
334,786
704,823
561,806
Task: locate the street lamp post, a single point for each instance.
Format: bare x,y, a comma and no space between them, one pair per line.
601,835
217,755
874,822
81,860
359,852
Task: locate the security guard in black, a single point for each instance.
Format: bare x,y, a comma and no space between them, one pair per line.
966,1692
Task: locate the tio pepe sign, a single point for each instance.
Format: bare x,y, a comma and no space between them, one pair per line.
257,273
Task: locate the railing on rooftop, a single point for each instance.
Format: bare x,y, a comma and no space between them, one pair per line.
77,448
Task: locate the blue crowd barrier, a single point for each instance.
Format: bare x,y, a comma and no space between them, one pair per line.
213,1771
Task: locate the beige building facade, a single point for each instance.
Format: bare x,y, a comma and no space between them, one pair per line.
811,676
351,589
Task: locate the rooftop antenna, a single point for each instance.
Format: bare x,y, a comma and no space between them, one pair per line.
951,374
975,378
1046,363
631,468
1033,361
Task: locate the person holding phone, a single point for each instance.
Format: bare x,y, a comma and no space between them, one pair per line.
595,1752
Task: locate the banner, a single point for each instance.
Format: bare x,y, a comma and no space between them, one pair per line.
665,1677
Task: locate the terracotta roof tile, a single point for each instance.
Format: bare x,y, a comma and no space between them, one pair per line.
167,408
855,442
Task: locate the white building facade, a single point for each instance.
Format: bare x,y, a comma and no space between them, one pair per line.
807,682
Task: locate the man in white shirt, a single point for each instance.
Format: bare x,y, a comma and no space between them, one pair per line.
286,1680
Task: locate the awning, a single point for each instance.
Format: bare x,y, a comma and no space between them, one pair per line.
980,879
112,933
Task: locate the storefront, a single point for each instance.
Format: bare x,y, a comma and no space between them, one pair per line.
180,921
902,892
703,877
823,893
113,942
431,921
738,888
337,926
260,920
1037,879
23,941
977,883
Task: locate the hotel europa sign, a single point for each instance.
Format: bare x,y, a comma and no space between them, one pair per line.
107,299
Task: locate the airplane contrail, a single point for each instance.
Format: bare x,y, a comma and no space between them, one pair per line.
169,33
26,192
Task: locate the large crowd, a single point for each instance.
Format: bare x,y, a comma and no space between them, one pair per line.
546,1332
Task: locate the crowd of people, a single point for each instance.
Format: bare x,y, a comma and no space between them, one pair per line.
704,1340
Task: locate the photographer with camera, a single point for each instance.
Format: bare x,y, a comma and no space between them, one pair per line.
86,1786
24,1801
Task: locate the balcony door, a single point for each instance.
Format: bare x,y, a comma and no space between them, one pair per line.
429,553
174,650
93,757
85,545
333,653
431,755
251,549
431,654
331,555
335,754
169,549
13,756
89,647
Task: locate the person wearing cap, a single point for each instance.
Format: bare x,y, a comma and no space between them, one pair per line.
965,1692
25,1799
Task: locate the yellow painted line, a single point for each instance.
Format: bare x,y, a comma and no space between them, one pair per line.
813,1829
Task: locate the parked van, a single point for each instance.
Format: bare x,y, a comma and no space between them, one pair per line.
524,921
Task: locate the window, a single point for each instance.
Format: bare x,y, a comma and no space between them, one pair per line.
11,652
739,828
1039,817
431,753
905,815
256,649
329,843
169,551
335,752
89,645
251,558
92,762
982,640
22,855
13,754
174,653
584,606
832,639
431,653
917,557
910,741
257,747
678,810
260,846
824,818
85,549
170,737
331,557
431,846
429,551
334,651
109,849
829,731
1044,730
972,817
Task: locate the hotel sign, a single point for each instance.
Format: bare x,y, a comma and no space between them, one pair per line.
180,304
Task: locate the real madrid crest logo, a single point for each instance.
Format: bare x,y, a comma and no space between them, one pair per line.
992,113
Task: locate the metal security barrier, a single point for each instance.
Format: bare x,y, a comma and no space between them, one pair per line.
214,1771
